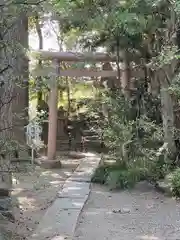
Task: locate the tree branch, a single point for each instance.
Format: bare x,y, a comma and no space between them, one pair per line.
7,102
5,69
22,3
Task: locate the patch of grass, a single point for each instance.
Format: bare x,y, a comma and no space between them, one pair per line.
102,172
175,183
118,176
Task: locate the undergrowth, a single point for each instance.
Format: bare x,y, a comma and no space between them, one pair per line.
134,138
175,183
116,176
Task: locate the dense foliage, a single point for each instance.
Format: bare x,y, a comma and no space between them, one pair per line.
133,140
138,117
137,122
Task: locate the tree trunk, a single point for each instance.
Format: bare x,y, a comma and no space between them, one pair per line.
167,115
21,90
110,81
68,96
6,130
7,64
154,87
39,79
14,89
125,75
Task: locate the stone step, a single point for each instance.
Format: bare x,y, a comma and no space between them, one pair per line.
62,146
95,146
90,143
63,140
93,142
63,149
89,132
93,137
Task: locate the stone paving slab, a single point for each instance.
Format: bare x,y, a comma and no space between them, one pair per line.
89,162
85,170
60,220
57,224
59,238
73,189
81,177
71,203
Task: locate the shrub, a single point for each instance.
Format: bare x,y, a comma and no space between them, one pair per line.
100,175
118,176
175,182
102,172
118,179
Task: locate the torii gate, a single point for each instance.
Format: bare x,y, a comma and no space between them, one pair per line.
55,72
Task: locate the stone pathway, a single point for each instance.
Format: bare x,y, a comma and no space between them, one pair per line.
34,191
60,220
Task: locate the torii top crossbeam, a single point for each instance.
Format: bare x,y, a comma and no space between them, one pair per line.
74,56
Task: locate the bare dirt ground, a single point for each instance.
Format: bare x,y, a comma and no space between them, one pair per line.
141,214
34,191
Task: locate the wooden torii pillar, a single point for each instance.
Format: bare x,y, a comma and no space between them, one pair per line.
56,58
53,104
